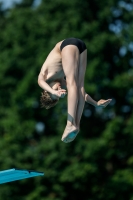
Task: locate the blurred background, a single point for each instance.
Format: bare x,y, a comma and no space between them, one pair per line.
98,165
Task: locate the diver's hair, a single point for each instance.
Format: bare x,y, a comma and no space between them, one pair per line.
46,100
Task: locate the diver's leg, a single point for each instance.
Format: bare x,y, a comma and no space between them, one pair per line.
81,92
81,96
70,62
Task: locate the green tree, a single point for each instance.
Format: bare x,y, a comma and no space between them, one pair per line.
98,164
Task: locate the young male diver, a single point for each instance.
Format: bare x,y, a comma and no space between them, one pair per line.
67,59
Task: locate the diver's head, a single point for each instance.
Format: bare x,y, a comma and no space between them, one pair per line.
47,99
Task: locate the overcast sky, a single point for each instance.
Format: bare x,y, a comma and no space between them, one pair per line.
9,3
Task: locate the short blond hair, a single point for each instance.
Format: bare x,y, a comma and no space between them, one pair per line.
46,100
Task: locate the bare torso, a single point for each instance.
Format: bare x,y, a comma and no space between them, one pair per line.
52,68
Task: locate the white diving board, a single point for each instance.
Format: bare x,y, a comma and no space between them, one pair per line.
17,174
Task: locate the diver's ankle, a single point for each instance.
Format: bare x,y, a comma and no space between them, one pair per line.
69,124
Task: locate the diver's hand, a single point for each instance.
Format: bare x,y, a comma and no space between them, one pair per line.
59,93
103,103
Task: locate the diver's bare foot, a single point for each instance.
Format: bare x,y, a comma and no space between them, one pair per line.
70,133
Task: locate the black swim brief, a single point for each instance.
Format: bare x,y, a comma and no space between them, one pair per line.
74,41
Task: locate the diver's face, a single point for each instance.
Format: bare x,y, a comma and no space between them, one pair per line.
55,85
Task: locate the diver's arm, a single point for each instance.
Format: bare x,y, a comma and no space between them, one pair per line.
42,83
89,100
101,103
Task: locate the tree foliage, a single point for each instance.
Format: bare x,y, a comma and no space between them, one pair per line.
98,164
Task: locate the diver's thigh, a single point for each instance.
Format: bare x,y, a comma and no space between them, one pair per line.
82,67
70,61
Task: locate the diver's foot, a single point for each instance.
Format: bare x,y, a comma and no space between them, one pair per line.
70,133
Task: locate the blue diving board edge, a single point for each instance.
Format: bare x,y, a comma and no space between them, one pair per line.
17,174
